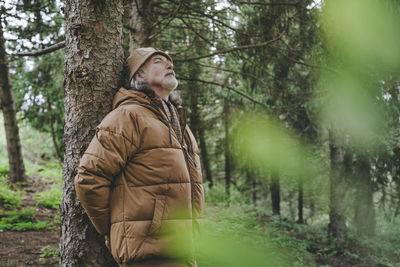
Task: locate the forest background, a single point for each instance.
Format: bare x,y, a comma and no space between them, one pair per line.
295,106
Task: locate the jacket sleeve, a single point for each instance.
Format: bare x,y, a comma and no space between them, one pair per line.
104,159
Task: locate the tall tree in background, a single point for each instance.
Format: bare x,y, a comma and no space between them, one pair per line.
16,164
340,164
365,212
93,64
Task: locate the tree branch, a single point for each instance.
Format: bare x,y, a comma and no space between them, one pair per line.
233,71
311,65
42,52
195,32
229,88
224,51
173,16
269,4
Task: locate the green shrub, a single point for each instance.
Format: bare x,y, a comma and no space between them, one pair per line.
50,198
49,253
11,198
4,170
22,220
216,195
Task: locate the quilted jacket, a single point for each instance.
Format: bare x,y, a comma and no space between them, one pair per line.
139,184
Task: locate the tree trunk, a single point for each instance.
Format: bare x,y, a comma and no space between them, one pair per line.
141,11
204,156
365,211
16,163
337,215
275,195
93,65
300,201
196,124
227,150
254,190
53,134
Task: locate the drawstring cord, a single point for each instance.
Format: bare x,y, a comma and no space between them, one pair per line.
170,135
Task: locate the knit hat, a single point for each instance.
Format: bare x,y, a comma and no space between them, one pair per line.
139,56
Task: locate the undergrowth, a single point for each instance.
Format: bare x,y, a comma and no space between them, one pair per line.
50,198
49,254
8,196
22,220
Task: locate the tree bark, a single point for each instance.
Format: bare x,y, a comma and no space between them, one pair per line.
141,11
93,65
337,214
365,211
7,104
275,195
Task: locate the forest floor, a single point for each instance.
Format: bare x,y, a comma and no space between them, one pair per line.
297,245
30,225
34,247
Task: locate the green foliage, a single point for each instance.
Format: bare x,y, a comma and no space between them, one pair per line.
362,40
49,170
238,236
215,195
22,220
50,198
49,254
10,197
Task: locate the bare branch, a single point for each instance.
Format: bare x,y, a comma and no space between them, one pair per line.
224,51
42,52
269,4
195,32
202,15
229,88
311,65
173,16
233,71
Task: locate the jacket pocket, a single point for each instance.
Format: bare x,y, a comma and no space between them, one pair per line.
159,206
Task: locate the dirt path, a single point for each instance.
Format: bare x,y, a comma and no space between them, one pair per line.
24,248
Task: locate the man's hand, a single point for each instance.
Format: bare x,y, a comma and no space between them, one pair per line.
107,242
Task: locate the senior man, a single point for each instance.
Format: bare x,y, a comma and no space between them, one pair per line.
139,180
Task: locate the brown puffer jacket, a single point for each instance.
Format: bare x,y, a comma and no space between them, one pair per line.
138,184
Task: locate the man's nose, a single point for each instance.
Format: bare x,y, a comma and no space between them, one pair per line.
170,66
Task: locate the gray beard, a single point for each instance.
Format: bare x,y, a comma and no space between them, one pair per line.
174,97
170,83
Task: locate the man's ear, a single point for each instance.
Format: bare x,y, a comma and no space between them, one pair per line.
139,75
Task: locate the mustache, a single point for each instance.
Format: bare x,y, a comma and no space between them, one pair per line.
170,72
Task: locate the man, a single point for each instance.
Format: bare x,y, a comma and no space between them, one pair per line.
139,180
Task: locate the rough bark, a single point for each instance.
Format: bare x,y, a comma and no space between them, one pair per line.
337,214
139,24
93,65
365,211
228,166
7,104
275,195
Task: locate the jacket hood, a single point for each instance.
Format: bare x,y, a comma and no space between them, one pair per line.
125,96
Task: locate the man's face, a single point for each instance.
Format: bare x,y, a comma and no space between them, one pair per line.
158,72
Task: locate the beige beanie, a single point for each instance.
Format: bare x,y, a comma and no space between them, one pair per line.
139,57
